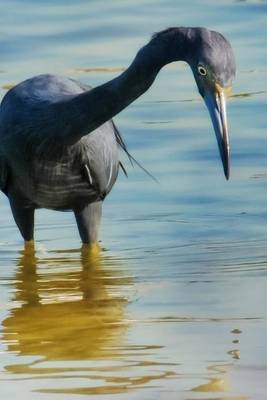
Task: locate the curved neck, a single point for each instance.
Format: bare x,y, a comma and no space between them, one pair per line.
87,111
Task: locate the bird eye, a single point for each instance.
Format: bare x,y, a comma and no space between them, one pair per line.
201,70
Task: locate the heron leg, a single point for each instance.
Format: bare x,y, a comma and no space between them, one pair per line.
24,218
88,221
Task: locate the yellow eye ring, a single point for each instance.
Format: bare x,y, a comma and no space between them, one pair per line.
201,70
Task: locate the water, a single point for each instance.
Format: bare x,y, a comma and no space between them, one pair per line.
175,305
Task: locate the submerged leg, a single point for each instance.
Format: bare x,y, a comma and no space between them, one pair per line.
88,222
24,218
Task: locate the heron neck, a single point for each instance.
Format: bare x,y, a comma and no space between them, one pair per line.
92,108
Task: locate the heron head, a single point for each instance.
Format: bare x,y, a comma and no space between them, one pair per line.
213,64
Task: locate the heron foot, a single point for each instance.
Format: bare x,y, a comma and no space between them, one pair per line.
29,247
91,249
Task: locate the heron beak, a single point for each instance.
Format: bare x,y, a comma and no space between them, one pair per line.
216,104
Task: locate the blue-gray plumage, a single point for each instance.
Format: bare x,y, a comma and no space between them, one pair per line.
59,148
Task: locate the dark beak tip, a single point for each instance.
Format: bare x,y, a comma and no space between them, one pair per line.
227,175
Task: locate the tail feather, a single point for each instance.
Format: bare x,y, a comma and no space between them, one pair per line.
132,160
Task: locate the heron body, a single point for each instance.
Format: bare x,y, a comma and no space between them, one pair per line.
59,148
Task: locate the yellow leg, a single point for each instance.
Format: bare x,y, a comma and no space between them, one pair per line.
28,258
29,247
91,250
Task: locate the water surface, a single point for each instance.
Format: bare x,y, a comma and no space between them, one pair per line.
175,304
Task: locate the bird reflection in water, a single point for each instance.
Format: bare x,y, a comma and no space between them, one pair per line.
69,308
69,317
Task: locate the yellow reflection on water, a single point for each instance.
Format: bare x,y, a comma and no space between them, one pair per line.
69,319
215,387
66,308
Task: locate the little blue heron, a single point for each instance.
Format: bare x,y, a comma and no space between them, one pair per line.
59,146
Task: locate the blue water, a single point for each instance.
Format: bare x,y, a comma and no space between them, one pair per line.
175,306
